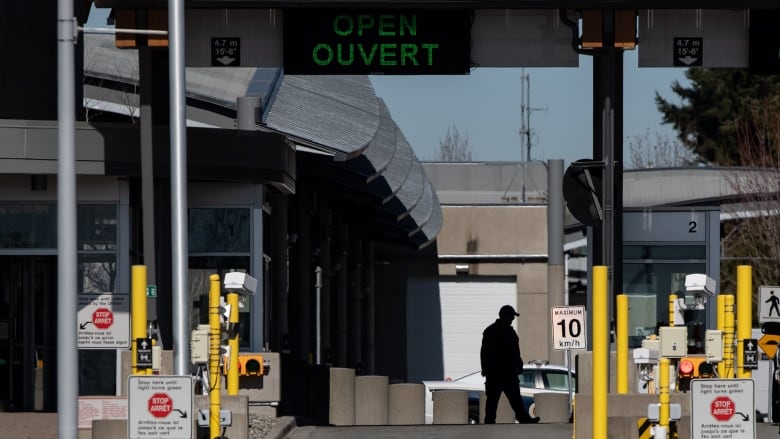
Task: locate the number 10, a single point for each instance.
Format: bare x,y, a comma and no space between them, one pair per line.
575,328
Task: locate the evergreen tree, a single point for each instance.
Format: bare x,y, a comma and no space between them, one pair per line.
714,107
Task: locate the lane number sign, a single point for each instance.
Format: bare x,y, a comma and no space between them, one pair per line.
568,328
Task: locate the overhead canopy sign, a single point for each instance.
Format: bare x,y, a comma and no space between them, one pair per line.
358,42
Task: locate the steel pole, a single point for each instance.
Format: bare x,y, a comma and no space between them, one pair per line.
67,337
179,250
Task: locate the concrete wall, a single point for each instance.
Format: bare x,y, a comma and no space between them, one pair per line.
624,412
514,231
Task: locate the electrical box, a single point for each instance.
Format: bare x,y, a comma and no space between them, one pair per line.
645,356
653,344
156,358
654,410
674,341
713,345
199,345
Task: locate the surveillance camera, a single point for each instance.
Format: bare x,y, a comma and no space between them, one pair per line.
240,283
700,285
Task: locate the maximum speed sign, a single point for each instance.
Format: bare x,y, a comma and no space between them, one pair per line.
568,328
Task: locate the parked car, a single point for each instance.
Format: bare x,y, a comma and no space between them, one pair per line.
538,376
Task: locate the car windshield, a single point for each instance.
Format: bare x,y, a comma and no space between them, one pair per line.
557,380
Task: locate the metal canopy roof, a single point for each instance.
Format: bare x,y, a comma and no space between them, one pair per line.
340,117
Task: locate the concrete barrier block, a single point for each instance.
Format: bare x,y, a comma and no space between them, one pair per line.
450,407
342,396
406,404
552,407
239,413
109,428
371,400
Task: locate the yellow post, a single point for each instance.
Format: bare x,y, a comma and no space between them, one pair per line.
744,316
232,373
728,338
721,327
622,344
137,314
600,351
214,345
663,393
672,300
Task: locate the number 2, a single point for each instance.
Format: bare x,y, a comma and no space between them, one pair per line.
691,226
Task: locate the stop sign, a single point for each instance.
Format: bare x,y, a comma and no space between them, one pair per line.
160,405
722,408
102,318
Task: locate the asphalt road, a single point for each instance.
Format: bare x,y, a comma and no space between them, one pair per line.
497,431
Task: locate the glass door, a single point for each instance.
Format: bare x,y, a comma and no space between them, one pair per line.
28,294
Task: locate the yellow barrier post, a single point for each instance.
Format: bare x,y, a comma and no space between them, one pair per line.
728,338
663,393
214,348
137,314
744,316
622,344
721,327
672,301
600,351
232,372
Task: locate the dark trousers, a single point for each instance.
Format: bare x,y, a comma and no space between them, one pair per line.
510,385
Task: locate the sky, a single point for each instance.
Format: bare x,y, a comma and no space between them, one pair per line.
485,106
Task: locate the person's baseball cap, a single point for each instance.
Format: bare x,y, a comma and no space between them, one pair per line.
507,310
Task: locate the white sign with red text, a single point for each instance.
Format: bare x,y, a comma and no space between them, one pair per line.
723,409
160,406
104,321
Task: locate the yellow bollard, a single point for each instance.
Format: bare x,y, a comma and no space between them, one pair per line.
728,338
214,347
744,316
600,351
622,344
672,300
232,373
663,393
721,326
138,314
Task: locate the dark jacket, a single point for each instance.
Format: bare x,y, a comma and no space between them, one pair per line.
500,353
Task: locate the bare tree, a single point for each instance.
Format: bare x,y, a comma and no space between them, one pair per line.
454,147
752,236
665,152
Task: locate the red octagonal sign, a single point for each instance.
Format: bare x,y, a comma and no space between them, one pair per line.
160,405
102,318
722,408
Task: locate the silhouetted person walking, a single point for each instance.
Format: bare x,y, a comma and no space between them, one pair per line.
501,365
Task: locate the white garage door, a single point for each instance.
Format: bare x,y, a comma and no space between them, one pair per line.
445,320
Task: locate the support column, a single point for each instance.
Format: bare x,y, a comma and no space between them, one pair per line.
557,293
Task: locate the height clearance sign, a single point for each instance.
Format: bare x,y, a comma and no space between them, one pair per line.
358,42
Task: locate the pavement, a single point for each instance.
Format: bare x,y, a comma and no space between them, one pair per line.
496,431
35,425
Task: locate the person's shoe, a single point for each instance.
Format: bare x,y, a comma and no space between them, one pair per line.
534,420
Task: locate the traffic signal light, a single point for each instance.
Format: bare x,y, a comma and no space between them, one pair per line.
690,368
250,365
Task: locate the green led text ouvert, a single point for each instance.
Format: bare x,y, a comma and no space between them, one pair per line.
375,54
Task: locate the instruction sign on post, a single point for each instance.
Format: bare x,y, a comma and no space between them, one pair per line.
160,406
568,327
104,321
723,409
